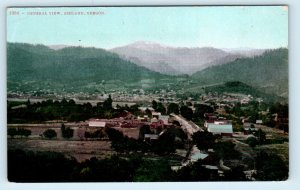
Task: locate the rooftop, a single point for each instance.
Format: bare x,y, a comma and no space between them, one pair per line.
223,128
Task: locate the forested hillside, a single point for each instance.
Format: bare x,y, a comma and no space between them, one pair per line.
71,67
268,72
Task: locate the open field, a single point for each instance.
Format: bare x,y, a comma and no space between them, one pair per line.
79,129
273,132
81,150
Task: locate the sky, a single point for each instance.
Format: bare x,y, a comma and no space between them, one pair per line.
198,26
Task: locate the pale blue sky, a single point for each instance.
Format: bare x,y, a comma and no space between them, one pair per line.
220,27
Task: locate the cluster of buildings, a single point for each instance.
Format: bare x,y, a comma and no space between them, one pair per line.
128,120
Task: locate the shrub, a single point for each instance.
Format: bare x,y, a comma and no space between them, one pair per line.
49,133
12,132
21,132
252,141
66,132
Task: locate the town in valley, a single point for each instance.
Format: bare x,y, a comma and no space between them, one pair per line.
222,137
147,94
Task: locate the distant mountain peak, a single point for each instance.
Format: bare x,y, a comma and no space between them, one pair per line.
146,45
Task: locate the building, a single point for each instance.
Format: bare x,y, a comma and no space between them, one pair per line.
97,123
134,123
220,129
156,114
209,118
157,124
143,109
259,122
198,156
151,137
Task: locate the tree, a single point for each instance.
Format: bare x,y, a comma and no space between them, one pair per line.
145,129
49,133
165,143
12,132
153,171
225,150
186,112
66,132
270,167
235,174
114,135
24,132
195,172
252,141
160,108
201,109
203,140
148,112
261,135
237,125
28,166
107,104
154,104
173,108
237,110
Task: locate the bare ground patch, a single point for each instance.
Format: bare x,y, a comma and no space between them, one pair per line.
81,150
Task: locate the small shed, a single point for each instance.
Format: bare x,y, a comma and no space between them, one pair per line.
198,156
151,136
259,122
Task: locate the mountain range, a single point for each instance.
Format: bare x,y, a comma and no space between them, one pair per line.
38,67
267,72
179,60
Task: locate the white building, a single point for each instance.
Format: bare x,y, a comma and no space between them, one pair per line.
221,129
96,123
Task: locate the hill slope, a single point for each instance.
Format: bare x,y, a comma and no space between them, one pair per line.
237,87
268,72
71,67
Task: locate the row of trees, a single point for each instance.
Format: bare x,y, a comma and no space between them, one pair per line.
70,111
12,132
184,110
66,132
60,110
55,167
